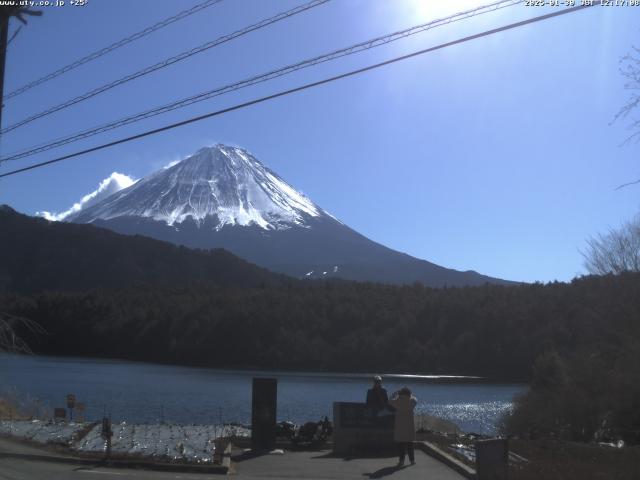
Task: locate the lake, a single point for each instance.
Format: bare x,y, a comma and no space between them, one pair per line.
147,393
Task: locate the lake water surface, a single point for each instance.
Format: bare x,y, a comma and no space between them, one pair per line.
148,393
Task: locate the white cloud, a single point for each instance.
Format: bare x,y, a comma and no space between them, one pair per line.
171,164
110,185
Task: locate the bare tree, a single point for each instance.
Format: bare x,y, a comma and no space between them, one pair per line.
630,69
615,252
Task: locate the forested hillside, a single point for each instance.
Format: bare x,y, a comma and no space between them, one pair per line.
36,255
493,331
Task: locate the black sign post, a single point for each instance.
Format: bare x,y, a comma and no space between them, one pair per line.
263,413
106,433
71,402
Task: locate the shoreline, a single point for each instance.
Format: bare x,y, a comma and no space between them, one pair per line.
263,372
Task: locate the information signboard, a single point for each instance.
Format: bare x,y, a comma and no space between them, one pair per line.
359,415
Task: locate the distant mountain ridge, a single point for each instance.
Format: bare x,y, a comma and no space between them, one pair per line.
37,255
223,197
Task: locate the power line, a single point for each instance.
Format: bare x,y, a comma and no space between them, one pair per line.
301,88
353,49
169,61
112,47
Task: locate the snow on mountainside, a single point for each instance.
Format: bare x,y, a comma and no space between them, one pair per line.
219,181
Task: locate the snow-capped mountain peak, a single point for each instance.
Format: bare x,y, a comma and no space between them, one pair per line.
220,181
223,197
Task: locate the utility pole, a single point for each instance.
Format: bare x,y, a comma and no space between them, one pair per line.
4,35
6,12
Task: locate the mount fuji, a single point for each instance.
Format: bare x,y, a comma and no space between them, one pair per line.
222,196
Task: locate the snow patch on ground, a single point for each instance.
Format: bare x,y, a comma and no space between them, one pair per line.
189,443
42,431
166,442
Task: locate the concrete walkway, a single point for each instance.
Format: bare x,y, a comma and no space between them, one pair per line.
322,465
315,465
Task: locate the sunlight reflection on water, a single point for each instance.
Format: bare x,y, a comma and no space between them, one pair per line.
475,417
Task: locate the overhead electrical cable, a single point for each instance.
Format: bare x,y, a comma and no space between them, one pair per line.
103,51
283,93
165,63
353,49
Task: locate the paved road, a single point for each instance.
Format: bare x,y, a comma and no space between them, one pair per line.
11,469
264,468
19,469
290,465
321,466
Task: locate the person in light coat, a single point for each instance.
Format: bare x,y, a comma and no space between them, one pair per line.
404,431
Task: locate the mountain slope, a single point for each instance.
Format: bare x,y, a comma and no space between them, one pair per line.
223,197
36,255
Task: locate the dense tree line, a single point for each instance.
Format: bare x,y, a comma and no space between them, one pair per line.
590,394
492,331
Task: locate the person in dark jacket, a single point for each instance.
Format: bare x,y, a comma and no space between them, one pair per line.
377,397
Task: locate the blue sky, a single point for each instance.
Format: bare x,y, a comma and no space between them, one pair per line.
495,155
